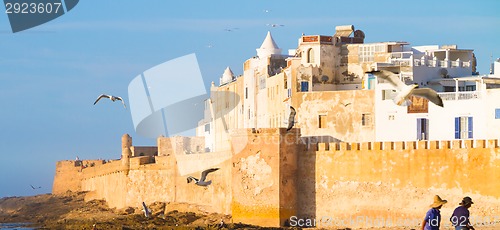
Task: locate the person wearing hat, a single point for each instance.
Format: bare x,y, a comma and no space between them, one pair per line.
460,217
432,218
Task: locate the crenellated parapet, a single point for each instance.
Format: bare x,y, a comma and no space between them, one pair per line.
405,145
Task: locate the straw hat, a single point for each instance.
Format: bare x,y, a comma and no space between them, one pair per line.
438,202
466,200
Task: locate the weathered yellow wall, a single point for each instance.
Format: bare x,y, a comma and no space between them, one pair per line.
255,173
389,181
264,177
67,177
276,176
147,179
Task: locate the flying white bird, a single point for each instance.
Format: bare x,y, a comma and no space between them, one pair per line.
231,29
112,98
146,210
201,181
405,91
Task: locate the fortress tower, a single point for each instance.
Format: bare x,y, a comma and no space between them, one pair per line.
126,152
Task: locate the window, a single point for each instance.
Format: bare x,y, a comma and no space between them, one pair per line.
322,121
207,128
304,86
497,113
463,127
246,92
388,94
366,119
422,129
310,55
366,52
262,82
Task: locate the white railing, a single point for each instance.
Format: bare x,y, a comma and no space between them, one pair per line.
438,63
455,64
401,62
452,96
403,55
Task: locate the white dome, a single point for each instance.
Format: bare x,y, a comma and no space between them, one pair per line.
268,47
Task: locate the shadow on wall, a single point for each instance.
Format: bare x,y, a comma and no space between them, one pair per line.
306,181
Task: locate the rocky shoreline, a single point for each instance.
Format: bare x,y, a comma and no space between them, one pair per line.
70,211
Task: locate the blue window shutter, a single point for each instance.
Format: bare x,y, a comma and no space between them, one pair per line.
457,127
470,126
304,86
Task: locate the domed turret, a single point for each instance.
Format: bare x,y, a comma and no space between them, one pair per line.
268,47
227,76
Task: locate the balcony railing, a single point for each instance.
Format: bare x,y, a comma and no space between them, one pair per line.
439,63
401,62
452,96
400,55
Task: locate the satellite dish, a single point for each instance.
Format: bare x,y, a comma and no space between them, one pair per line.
359,34
444,73
324,78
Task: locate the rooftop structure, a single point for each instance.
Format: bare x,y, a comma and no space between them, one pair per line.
324,80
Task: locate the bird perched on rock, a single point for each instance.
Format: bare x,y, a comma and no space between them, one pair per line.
201,181
405,91
112,98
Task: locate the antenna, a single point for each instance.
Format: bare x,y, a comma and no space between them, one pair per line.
491,63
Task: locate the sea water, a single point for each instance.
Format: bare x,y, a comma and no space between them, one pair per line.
11,226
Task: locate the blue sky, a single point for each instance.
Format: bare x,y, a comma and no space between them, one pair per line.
50,75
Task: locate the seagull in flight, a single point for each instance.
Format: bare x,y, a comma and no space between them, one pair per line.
35,187
201,181
291,118
112,98
405,91
275,25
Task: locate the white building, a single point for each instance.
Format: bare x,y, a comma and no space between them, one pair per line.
324,69
466,114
